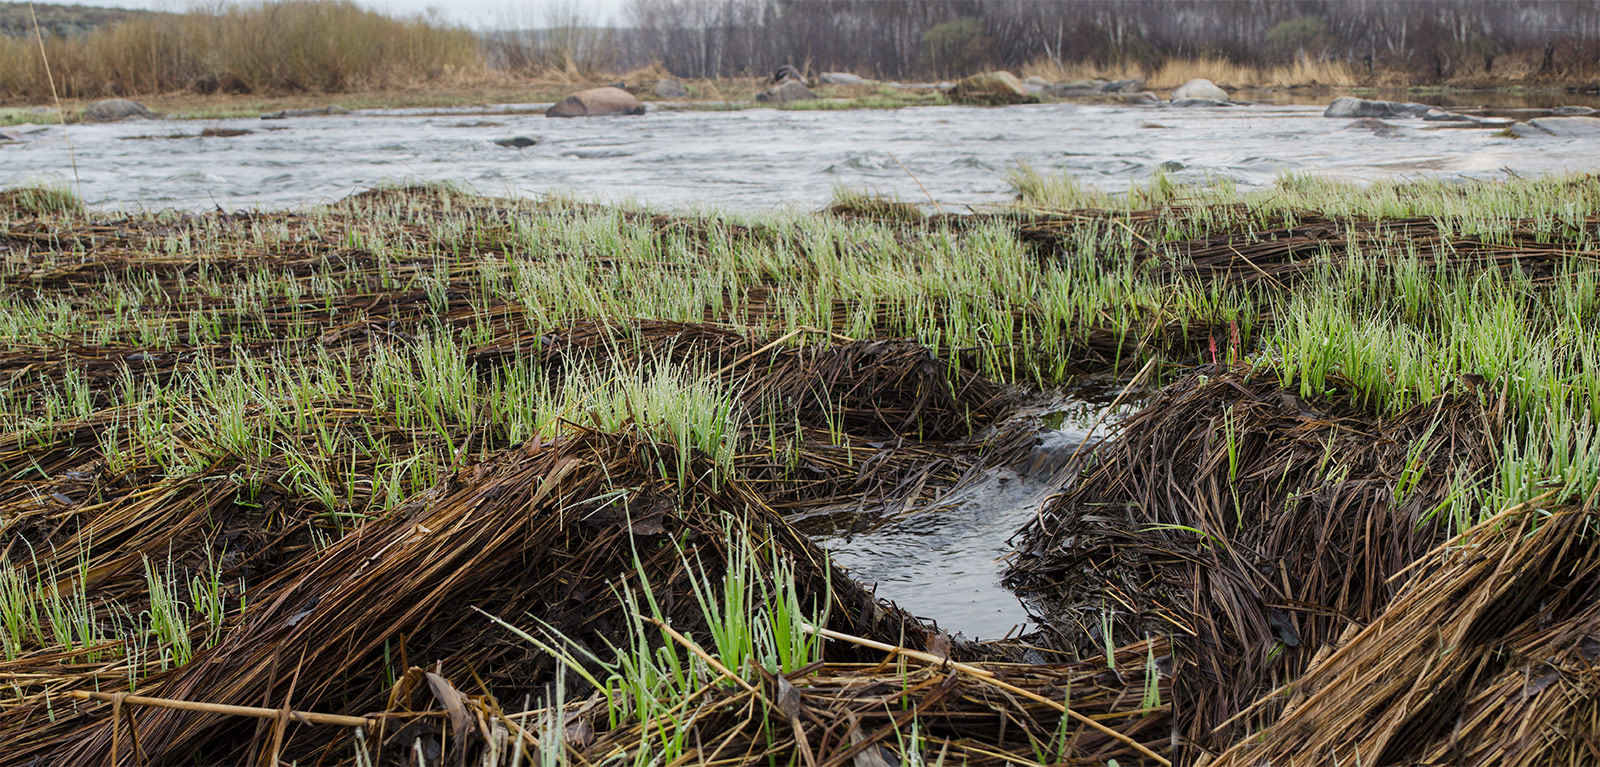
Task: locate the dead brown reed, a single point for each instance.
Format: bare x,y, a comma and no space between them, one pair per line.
1486,656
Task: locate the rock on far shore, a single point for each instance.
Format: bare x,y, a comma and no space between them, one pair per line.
670,88
1564,127
1350,106
116,110
992,88
597,102
1199,88
785,92
841,78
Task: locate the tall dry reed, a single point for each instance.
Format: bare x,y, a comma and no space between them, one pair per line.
1177,71
287,45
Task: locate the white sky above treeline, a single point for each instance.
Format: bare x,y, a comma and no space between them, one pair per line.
477,14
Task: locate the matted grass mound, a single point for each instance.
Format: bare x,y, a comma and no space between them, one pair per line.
542,530
1488,656
1250,525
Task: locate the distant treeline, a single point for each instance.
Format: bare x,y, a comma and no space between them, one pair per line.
334,45
1427,40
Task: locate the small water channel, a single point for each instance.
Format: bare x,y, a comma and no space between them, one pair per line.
944,561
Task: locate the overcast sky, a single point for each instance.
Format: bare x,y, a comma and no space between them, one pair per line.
471,13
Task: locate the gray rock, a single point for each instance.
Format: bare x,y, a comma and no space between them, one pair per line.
1075,88
841,78
597,102
1123,86
7,137
518,142
1562,127
785,92
116,110
1350,106
331,109
1439,115
1199,102
1199,88
1141,99
1572,111
669,88
1035,80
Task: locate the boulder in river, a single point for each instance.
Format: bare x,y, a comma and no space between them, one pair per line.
1378,127
1350,106
1193,101
597,102
1123,86
116,110
991,88
224,132
1141,99
1439,115
785,92
841,78
518,142
1572,111
1199,88
9,138
670,88
1564,127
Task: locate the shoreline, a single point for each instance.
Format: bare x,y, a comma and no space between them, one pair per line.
733,94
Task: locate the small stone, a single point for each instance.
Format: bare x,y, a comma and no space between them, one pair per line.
518,142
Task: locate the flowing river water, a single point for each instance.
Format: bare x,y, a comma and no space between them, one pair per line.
753,159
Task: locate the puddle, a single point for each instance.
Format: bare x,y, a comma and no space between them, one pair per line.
944,562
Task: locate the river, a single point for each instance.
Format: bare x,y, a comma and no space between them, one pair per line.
751,159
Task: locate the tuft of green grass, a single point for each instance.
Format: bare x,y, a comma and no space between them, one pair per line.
38,202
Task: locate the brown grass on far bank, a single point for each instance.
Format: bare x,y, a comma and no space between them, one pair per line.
1176,72
293,45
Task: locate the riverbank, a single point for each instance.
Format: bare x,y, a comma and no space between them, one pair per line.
740,93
